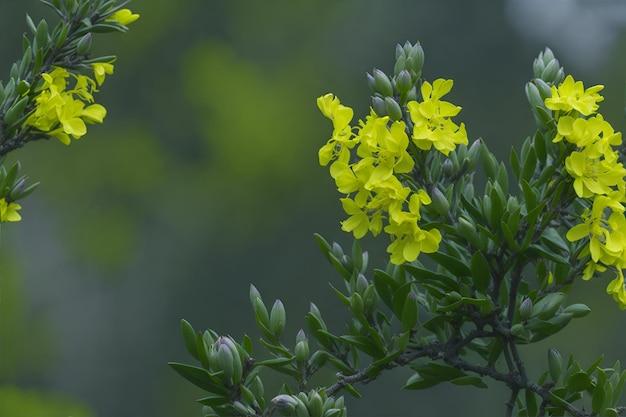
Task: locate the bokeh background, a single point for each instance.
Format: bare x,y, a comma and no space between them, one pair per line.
205,179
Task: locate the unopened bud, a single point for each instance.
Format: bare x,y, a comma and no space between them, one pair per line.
278,318
439,202
378,104
525,309
393,108
382,83
404,82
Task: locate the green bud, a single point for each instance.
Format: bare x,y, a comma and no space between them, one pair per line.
404,82
378,104
382,83
84,44
301,410
400,64
533,96
439,202
278,318
526,309
371,83
361,284
466,229
316,405
416,58
555,364
285,402
225,360
393,108
448,168
543,88
302,352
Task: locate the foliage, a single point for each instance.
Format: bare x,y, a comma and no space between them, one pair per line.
18,403
50,90
497,268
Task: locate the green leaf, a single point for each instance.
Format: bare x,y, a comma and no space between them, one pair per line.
531,403
453,265
541,251
469,380
480,271
199,377
434,278
416,382
214,400
275,362
579,381
547,306
189,335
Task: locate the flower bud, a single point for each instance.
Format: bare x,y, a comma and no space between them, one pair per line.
555,364
533,96
378,104
526,309
371,83
361,284
278,318
316,405
302,352
393,108
416,59
382,83
285,402
543,88
404,82
301,410
84,44
439,202
448,168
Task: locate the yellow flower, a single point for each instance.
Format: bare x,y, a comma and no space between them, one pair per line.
594,172
572,95
342,140
409,240
124,17
62,113
432,124
384,148
607,234
101,70
9,211
616,289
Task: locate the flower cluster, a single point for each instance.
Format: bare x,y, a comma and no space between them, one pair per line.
598,178
63,112
432,124
376,198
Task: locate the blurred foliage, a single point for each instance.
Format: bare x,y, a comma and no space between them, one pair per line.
19,403
18,354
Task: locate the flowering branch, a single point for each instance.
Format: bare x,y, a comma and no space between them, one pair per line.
460,315
50,90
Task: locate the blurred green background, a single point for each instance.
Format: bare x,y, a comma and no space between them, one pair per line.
205,178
